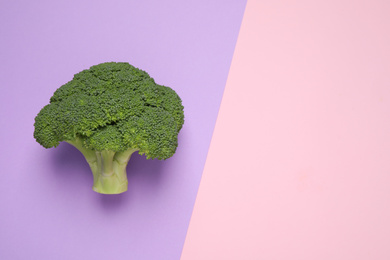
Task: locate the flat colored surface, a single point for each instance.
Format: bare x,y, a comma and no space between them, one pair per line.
298,167
48,208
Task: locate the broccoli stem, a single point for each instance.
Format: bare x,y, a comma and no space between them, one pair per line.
108,168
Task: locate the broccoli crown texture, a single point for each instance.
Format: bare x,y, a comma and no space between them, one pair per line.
113,107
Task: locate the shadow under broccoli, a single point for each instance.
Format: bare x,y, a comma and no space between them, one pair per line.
109,112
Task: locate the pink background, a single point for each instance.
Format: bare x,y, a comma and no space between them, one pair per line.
299,163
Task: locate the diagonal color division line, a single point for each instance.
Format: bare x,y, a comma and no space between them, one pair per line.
298,164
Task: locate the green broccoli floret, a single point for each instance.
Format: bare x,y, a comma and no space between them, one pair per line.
108,112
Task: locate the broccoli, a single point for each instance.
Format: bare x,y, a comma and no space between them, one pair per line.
108,112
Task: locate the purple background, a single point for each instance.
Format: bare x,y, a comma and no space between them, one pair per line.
47,207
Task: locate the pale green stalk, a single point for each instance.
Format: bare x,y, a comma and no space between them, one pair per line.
108,168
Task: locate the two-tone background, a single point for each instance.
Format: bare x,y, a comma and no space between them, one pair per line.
284,154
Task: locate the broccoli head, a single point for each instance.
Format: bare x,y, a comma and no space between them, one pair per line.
108,112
